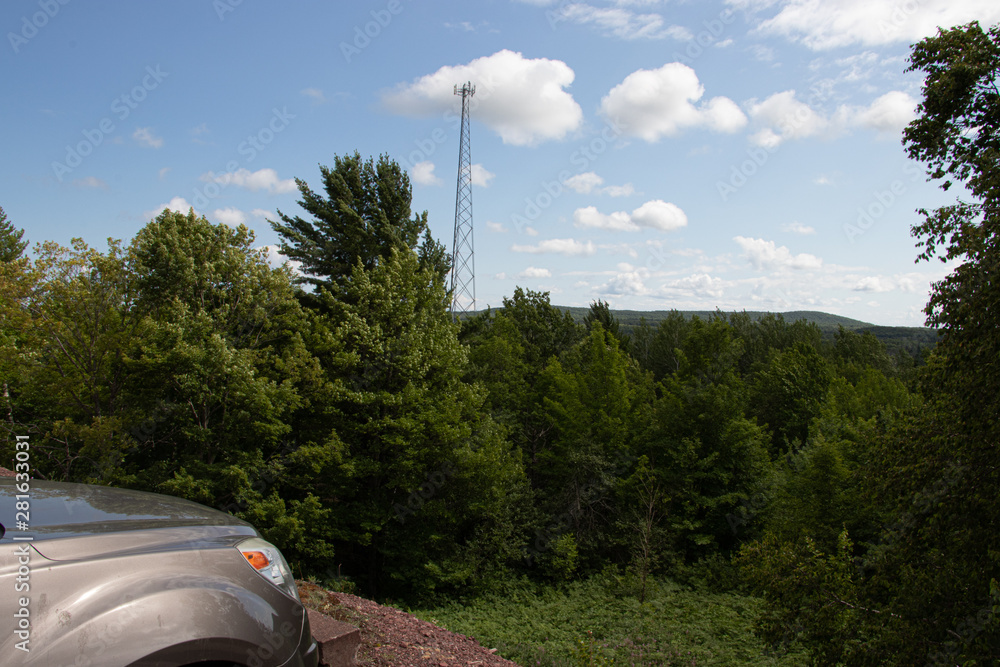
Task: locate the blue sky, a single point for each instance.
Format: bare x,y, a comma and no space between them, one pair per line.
739,154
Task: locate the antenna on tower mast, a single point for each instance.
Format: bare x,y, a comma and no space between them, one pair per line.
463,270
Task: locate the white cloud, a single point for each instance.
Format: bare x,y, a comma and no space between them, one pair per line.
480,176
164,172
628,283
655,214
232,217
873,284
889,113
784,113
588,182
422,173
763,255
275,259
583,183
828,24
262,213
535,272
496,227
144,137
619,190
91,182
782,116
178,204
700,284
523,100
590,217
652,104
262,179
570,247
315,93
658,214
618,21
798,228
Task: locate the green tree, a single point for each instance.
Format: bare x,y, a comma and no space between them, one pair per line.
11,245
596,401
223,366
600,312
424,491
789,393
362,215
710,459
67,323
509,350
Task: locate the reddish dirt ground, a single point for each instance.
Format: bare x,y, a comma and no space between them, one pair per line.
392,638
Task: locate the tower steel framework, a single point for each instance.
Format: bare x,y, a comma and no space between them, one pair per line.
463,266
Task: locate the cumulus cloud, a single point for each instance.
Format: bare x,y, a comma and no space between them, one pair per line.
873,284
262,179
522,99
763,255
836,23
783,116
275,259
583,183
629,283
652,104
887,114
262,213
655,214
535,272
496,227
588,182
480,176
178,204
699,284
570,247
422,173
230,216
144,137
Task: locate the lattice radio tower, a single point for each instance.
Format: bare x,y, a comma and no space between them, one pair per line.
463,268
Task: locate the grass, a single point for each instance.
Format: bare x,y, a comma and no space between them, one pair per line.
597,622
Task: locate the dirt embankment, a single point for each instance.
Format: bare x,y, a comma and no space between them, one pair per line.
392,638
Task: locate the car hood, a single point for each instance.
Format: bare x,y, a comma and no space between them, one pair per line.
70,521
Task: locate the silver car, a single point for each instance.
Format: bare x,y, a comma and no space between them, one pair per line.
98,576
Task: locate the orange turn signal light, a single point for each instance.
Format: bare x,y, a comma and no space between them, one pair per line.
257,559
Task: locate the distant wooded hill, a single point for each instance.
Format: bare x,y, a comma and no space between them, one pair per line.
911,339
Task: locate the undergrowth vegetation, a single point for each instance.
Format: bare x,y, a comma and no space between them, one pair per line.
600,621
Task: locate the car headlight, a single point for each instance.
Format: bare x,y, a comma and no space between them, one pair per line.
268,562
